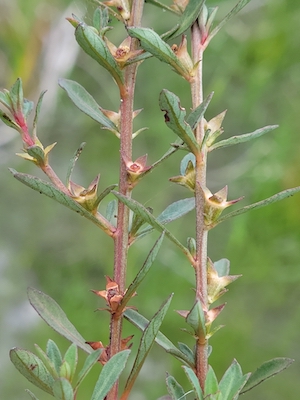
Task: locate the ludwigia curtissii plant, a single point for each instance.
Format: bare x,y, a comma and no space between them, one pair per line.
196,138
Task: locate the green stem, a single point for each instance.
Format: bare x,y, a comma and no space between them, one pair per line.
121,235
201,232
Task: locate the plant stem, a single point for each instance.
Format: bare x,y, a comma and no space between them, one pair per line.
47,169
201,232
121,235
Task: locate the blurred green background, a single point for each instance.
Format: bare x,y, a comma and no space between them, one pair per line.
253,66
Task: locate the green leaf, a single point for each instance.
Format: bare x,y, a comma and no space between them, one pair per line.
189,16
175,389
196,319
176,210
266,371
8,121
185,161
232,381
171,213
100,18
112,211
187,351
211,382
16,95
153,43
174,118
54,355
242,138
148,217
51,191
27,107
5,99
144,270
71,357
141,322
192,377
36,152
89,363
110,374
96,48
54,316
37,110
62,389
73,161
47,362
161,5
273,199
31,394
32,368
147,341
198,113
222,267
85,102
241,4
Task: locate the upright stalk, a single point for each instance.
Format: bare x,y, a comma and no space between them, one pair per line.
201,232
121,235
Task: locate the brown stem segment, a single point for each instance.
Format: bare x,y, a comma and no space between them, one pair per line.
201,232
121,235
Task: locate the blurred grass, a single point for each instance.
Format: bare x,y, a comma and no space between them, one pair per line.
253,68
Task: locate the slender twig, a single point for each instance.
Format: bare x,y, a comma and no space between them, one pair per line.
121,235
201,232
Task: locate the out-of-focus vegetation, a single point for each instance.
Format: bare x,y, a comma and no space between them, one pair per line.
253,66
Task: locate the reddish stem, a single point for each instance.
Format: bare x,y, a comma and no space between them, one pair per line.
201,232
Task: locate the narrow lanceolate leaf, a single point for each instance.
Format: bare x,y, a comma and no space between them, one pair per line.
85,102
242,138
144,270
273,199
152,42
54,354
266,371
241,4
51,191
187,352
54,316
62,389
175,389
232,381
33,397
141,322
73,161
37,111
174,118
171,213
211,382
139,209
198,113
47,362
96,48
147,341
161,5
89,363
189,16
110,374
32,368
192,377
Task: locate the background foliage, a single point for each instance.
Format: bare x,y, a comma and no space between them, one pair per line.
253,67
